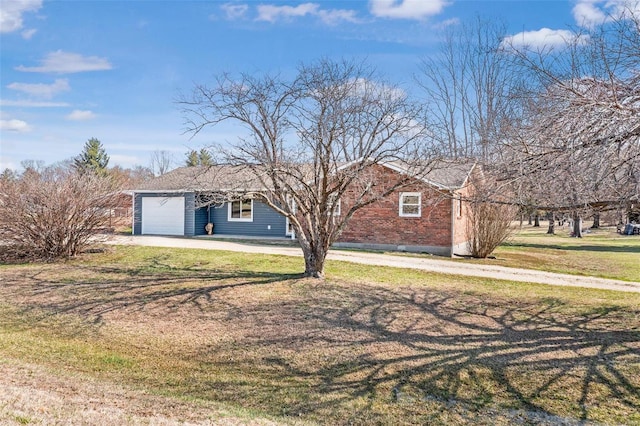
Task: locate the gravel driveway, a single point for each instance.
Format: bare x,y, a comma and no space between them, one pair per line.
426,264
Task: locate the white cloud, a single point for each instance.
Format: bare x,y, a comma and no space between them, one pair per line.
587,13
406,9
66,63
544,37
334,16
14,126
27,34
235,11
591,13
31,104
11,13
44,91
79,115
447,23
272,13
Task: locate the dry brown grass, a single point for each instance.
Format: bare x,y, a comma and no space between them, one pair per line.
245,333
33,395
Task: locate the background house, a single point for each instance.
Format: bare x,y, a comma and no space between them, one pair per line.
427,215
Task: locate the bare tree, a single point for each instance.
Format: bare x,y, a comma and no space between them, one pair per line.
467,83
161,162
54,213
314,142
581,135
129,178
33,165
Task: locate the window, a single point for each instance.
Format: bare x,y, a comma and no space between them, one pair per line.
459,205
410,204
292,203
334,203
241,211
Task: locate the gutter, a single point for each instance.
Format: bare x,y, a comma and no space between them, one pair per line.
160,191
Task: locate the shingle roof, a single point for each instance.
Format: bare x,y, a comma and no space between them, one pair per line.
448,175
201,178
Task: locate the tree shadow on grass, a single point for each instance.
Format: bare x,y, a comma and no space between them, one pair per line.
358,353
90,293
410,349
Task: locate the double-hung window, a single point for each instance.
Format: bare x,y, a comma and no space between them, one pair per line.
334,204
292,203
410,204
240,211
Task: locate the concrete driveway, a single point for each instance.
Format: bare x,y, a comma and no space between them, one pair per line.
439,265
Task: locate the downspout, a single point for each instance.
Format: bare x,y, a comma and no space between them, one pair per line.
453,222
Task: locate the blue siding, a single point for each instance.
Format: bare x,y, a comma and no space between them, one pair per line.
189,214
201,220
264,217
137,214
266,222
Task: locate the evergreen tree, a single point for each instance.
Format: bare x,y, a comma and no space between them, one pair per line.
192,159
205,157
93,158
202,158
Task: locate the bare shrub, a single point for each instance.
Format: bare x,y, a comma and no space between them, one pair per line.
52,214
489,221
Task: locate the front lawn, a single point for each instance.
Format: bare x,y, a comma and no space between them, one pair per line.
600,253
242,336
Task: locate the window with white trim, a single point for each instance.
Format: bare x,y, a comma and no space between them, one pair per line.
410,204
240,211
289,228
294,208
334,203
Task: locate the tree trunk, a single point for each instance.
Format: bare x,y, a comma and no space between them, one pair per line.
596,221
530,220
536,221
552,224
577,226
314,258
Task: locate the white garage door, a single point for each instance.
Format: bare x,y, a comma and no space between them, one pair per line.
163,215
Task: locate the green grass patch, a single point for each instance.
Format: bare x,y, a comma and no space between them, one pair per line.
367,345
600,253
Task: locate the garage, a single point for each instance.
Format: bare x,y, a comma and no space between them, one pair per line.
163,215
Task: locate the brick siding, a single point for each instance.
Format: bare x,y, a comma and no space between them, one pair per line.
380,222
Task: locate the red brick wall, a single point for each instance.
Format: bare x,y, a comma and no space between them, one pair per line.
380,222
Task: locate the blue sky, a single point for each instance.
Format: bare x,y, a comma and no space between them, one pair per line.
73,70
